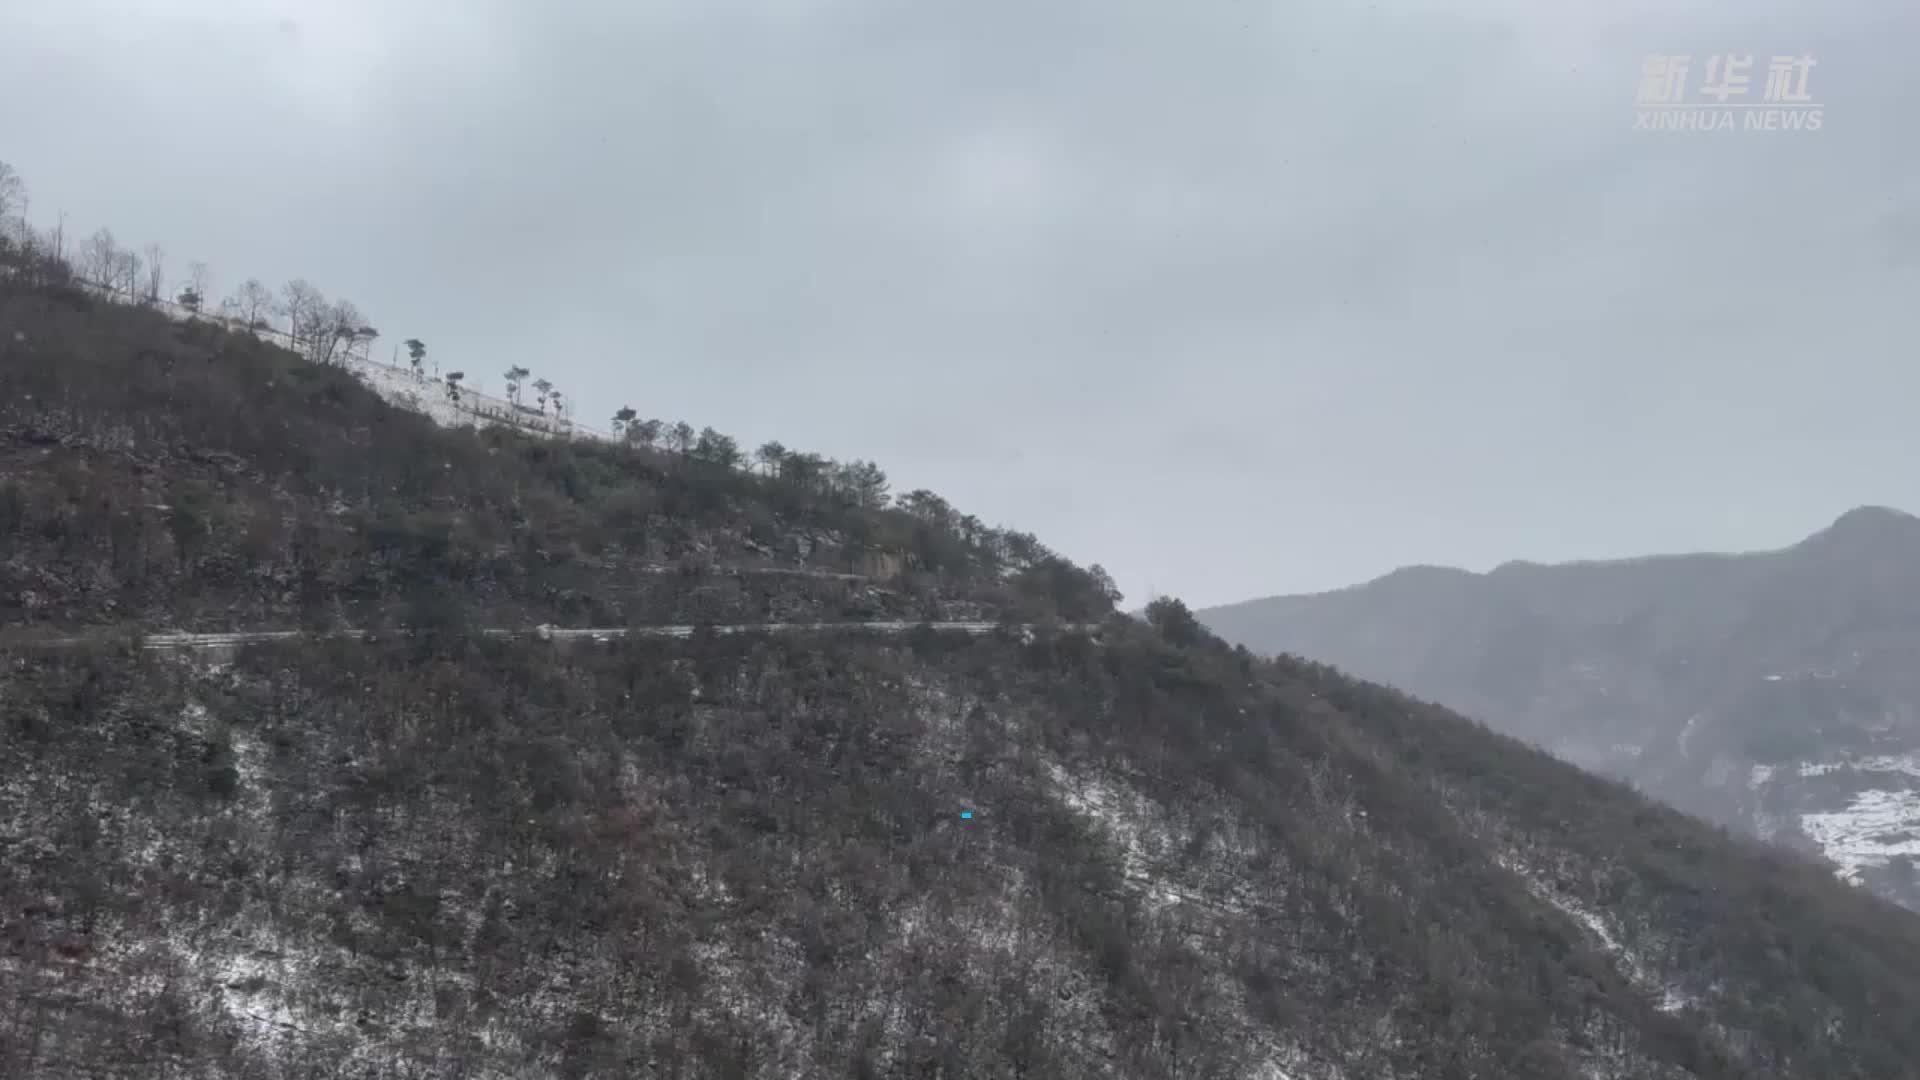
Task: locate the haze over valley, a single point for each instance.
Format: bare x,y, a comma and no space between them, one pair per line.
1774,692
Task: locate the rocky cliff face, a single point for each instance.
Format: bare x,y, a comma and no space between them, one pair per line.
1775,692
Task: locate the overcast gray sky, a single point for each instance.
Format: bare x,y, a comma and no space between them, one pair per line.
1235,298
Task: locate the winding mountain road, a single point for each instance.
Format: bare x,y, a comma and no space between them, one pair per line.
179,641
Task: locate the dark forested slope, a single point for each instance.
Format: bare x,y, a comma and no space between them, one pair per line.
170,474
446,855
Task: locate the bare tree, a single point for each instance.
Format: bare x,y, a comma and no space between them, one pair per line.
155,281
127,279
13,200
250,303
36,256
13,190
301,305
356,340
359,336
318,331
100,258
329,329
56,239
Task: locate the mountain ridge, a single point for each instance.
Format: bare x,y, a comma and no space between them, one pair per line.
1868,520
1671,671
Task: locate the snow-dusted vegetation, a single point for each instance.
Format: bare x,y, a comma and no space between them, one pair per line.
836,841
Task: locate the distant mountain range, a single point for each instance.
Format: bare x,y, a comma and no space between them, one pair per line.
1776,692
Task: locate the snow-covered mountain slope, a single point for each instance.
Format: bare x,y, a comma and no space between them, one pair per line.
401,386
1847,788
750,859
463,407
799,849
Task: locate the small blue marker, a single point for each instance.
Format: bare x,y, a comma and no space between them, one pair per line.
966,815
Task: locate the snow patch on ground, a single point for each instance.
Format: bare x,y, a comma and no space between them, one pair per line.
1204,896
1904,763
1667,995
1137,827
943,713
193,719
250,766
403,388
1293,1063
1120,816
1877,826
1005,938
1907,764
254,979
